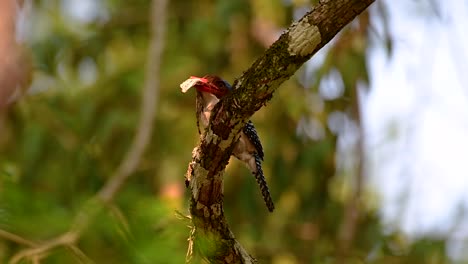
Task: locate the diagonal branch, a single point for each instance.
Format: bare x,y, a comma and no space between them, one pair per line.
211,235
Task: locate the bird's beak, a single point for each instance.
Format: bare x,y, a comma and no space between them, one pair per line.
191,82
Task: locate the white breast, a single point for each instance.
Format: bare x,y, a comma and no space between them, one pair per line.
209,102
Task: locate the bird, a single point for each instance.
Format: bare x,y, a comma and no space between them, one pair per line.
248,148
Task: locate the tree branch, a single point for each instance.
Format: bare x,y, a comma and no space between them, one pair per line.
148,107
16,238
211,235
352,209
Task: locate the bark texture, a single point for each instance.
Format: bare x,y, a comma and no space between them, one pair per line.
211,236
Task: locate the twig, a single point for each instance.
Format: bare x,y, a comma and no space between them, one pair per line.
129,164
17,239
120,216
80,254
67,238
352,211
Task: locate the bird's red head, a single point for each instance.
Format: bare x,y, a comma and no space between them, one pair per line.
209,83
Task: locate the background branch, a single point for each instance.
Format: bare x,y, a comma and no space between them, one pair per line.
352,210
16,238
148,107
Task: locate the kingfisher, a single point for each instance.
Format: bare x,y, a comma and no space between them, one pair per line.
248,148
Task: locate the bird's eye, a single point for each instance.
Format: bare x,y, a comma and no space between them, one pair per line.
220,84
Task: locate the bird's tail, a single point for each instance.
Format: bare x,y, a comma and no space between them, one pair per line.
263,184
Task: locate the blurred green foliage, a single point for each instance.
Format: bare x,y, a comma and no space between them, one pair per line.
62,141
